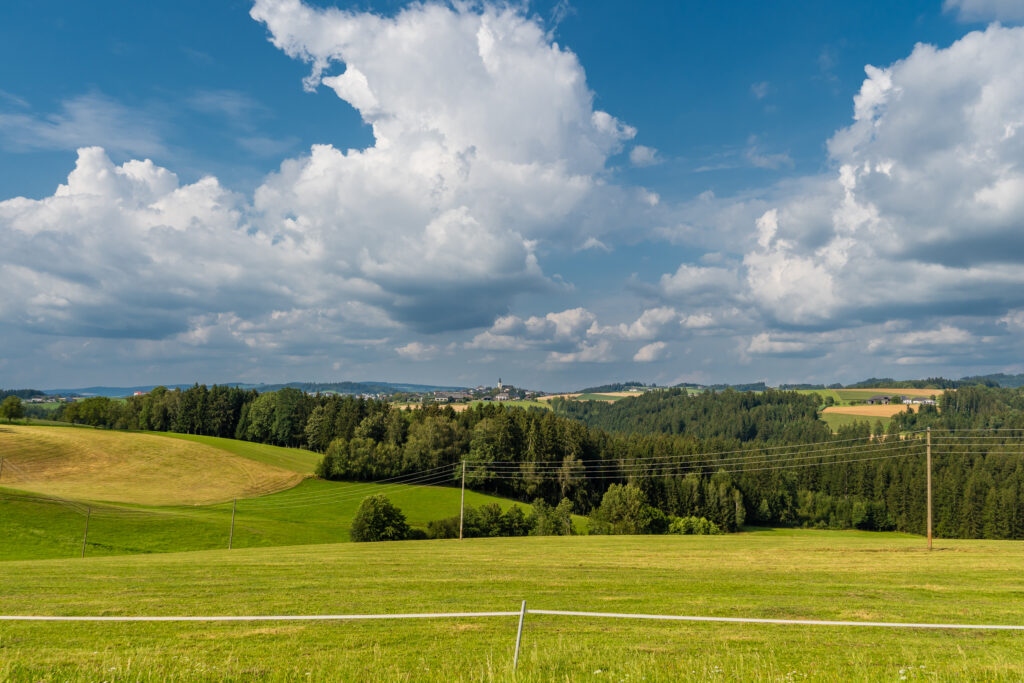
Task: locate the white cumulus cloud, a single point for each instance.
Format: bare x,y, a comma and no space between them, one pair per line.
650,352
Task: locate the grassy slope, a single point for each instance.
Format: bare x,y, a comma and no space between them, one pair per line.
316,511
294,459
102,465
796,574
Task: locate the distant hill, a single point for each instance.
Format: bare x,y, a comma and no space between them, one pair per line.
617,386
998,379
313,387
20,393
751,386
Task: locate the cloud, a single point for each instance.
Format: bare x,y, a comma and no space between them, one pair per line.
600,352
765,160
651,323
760,89
486,141
1007,11
92,119
764,344
486,144
650,352
417,351
924,212
641,156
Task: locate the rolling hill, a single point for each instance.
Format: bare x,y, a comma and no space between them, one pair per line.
176,492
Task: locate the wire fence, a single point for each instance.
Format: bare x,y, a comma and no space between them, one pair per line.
521,614
737,461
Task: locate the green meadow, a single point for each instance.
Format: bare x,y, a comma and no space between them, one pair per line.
837,420
36,522
773,574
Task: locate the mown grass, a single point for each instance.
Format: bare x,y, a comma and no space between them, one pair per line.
316,511
792,574
294,459
104,465
598,397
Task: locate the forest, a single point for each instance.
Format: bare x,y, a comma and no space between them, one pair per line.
732,457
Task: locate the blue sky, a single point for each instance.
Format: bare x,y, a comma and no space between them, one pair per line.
557,193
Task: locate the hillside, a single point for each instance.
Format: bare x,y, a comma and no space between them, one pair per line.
91,464
169,493
769,574
744,416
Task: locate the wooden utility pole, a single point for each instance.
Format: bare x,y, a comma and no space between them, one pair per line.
462,504
1,465
928,459
88,514
231,536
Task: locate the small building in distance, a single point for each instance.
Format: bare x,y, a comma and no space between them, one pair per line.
878,401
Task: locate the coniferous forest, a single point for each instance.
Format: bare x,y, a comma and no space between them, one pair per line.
729,457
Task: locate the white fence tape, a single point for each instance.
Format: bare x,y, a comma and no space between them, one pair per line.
472,615
744,620
300,617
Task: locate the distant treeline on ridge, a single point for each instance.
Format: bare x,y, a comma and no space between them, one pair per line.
579,449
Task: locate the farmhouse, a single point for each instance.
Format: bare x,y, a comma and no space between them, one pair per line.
501,397
878,401
451,395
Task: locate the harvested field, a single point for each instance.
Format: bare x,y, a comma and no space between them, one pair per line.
871,411
92,464
868,393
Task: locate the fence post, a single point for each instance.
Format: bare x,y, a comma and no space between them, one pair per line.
519,635
1,465
231,536
85,537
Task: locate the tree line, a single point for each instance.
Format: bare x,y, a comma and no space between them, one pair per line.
580,451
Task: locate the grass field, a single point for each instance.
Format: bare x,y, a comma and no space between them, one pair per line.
610,397
84,465
844,397
774,574
101,465
837,420
316,511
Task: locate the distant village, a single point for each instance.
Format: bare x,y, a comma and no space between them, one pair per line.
906,400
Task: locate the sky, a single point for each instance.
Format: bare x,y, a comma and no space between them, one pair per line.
557,193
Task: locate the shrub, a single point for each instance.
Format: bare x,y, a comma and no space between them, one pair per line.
487,520
550,521
378,520
698,526
624,510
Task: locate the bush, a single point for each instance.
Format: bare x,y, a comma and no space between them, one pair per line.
698,526
550,521
487,520
624,510
378,520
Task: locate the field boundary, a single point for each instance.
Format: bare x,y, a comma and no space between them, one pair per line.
547,612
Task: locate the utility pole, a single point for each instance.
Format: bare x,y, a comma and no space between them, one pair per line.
231,536
928,459
88,514
1,465
462,504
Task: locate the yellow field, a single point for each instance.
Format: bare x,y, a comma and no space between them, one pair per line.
868,393
91,464
871,411
548,398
